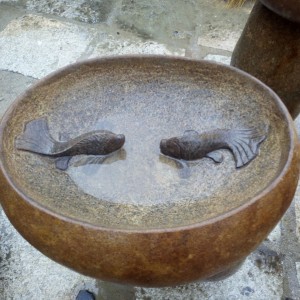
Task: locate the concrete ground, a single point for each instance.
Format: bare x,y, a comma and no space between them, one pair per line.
40,36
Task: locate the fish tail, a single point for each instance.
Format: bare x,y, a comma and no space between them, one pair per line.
36,138
244,143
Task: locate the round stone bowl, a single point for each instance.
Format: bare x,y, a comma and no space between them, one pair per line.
289,9
140,217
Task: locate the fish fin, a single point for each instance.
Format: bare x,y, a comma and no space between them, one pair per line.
244,144
217,157
36,137
62,163
190,133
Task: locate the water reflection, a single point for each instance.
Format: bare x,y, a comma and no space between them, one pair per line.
183,167
99,159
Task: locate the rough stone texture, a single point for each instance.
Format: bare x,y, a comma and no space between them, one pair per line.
218,58
249,283
259,278
7,14
224,39
112,40
81,10
177,23
124,47
27,274
11,85
276,280
26,271
47,44
269,50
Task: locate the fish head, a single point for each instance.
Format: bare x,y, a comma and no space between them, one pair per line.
171,147
114,142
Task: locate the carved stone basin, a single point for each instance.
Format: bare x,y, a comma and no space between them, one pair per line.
141,217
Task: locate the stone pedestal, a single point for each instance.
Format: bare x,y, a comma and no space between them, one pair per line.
269,49
114,291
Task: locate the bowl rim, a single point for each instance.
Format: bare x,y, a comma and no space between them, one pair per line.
170,58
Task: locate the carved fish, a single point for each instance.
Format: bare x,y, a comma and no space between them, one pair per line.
243,143
37,139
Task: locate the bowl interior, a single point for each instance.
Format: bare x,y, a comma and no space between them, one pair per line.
146,99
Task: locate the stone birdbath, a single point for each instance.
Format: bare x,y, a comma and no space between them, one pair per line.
147,170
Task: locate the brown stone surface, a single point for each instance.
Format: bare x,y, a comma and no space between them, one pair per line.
149,254
289,9
269,49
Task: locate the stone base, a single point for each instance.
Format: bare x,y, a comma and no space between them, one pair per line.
114,291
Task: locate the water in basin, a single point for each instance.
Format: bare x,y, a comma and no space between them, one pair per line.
137,187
